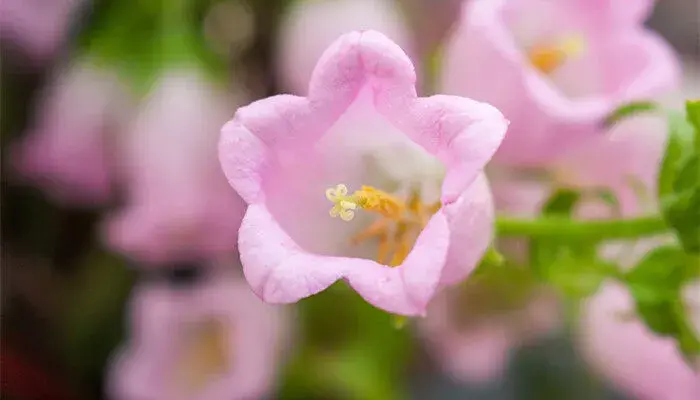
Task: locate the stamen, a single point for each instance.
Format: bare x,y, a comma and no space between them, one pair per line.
367,198
399,224
550,56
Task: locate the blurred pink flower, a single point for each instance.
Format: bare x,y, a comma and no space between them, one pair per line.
38,27
213,341
555,68
178,206
476,348
635,359
626,162
66,150
623,350
282,153
310,27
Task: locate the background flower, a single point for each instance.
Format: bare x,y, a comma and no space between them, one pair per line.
631,356
557,72
38,27
178,205
309,27
214,341
68,149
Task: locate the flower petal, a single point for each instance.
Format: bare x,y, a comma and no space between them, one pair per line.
407,288
274,265
471,231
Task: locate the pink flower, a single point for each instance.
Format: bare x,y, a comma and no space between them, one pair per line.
178,206
625,161
638,361
474,345
283,152
214,341
65,151
39,27
556,68
310,27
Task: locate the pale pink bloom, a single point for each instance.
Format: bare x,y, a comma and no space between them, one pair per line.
626,162
214,341
178,204
555,68
283,152
38,27
625,351
691,298
309,27
66,149
477,348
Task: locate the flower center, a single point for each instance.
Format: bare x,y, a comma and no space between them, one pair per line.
399,223
549,56
203,356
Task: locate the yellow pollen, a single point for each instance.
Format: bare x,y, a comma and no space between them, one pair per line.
548,57
399,224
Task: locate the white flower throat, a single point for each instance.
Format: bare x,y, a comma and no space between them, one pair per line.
548,56
401,216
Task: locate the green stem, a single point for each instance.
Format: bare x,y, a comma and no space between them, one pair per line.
576,229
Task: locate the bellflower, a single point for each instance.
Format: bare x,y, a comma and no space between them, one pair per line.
178,204
37,27
213,341
65,150
309,27
624,161
632,357
282,154
556,68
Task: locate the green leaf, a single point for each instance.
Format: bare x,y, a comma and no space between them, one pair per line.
656,285
572,267
692,109
678,149
629,110
562,202
682,212
688,174
659,275
679,178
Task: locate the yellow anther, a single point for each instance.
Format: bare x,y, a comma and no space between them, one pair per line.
550,56
381,202
397,229
367,198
